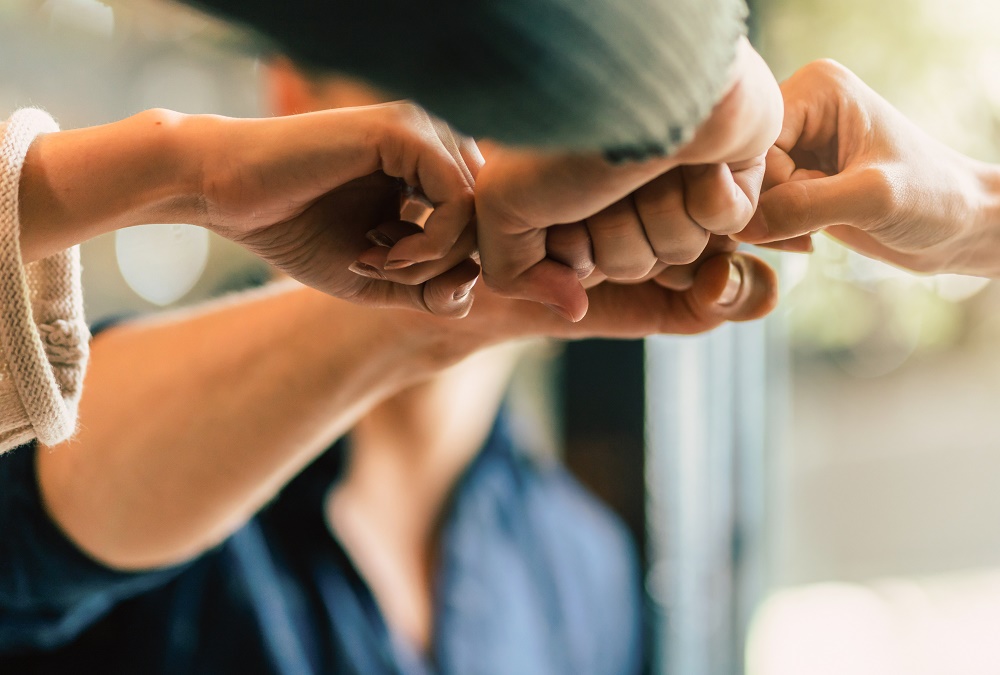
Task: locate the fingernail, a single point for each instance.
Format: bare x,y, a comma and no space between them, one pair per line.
366,270
561,312
734,284
398,264
379,239
462,292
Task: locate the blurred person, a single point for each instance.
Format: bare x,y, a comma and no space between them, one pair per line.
212,533
593,106
849,164
257,182
216,533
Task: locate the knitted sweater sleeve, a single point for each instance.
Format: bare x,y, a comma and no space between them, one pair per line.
43,335
629,77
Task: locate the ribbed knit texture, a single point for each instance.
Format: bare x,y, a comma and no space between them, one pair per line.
43,335
629,77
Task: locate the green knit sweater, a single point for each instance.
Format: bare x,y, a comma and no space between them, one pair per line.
629,77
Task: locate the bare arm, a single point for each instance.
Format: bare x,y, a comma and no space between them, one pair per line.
259,182
81,183
190,424
850,164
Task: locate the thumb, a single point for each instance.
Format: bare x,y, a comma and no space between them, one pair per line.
733,287
804,206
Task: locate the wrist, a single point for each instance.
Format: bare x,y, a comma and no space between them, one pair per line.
82,183
396,348
173,191
432,344
442,342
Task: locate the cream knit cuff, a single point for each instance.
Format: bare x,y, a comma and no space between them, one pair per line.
43,334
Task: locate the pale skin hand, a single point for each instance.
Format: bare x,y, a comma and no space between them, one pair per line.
636,214
848,163
261,183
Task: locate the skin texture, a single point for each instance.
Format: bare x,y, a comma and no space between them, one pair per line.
849,164
266,381
262,183
634,214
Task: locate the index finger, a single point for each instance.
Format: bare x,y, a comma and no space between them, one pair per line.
446,181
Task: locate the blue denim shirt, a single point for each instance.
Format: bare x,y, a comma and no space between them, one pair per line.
535,578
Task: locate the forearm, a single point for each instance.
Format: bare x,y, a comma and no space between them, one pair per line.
81,183
189,426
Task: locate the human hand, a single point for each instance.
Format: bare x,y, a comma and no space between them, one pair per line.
848,163
722,285
636,214
293,191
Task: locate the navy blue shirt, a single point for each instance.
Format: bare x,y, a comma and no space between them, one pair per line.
535,578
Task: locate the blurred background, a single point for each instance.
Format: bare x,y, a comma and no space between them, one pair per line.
816,493
91,63
883,546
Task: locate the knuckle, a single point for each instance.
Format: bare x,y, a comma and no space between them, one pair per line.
404,123
393,119
497,282
439,301
663,195
408,276
720,214
829,74
448,309
681,251
794,213
634,267
730,226
437,249
731,221
880,187
465,194
613,227
827,68
405,110
661,214
584,268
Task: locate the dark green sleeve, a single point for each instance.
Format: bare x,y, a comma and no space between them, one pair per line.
629,77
